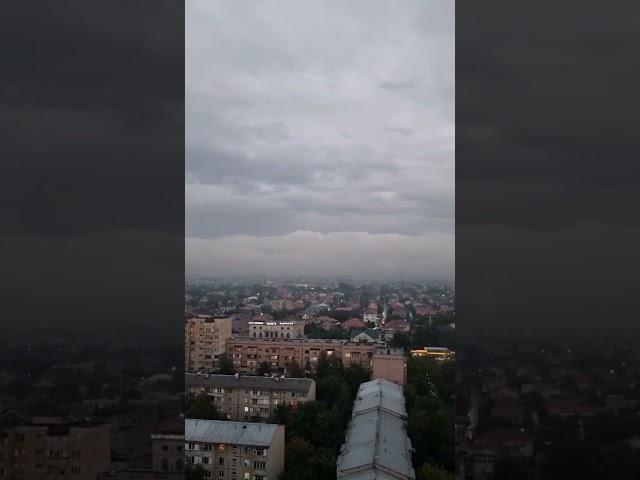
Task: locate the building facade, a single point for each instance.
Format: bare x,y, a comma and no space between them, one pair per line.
241,397
276,329
437,353
167,446
248,353
235,450
205,340
33,448
389,364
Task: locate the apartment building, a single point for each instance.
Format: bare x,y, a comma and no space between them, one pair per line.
376,443
167,446
235,450
205,340
389,364
276,329
167,456
34,448
241,397
248,353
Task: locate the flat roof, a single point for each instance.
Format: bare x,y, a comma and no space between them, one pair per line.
379,439
380,394
235,433
376,445
249,382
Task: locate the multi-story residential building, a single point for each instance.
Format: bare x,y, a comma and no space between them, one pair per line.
376,444
167,446
276,329
235,450
389,364
281,354
205,340
34,448
241,397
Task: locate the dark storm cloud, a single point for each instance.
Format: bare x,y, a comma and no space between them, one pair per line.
91,177
547,206
86,118
577,137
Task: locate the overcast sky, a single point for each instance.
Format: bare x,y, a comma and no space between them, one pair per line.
320,138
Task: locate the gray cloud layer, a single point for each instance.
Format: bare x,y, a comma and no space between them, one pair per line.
326,117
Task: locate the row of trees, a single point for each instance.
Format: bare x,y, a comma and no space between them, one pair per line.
315,430
429,396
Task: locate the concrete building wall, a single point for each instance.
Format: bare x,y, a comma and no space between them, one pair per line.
275,455
167,452
389,364
205,341
34,452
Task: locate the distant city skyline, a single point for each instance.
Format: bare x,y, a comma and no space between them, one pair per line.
320,139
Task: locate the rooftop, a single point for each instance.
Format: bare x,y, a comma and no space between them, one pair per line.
376,445
235,433
249,382
377,438
380,394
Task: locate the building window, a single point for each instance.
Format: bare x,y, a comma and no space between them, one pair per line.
179,464
221,473
259,465
165,464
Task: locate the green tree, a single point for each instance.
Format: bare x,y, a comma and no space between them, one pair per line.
295,370
200,406
401,340
263,368
194,473
509,467
433,472
225,365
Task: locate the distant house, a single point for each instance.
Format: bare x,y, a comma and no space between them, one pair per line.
392,327
353,323
327,323
489,447
423,311
370,315
364,335
565,407
507,408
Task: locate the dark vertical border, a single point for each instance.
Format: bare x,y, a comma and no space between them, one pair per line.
547,232
92,213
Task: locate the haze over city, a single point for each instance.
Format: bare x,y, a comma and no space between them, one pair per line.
320,142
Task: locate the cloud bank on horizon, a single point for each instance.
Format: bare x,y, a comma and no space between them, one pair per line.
320,138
